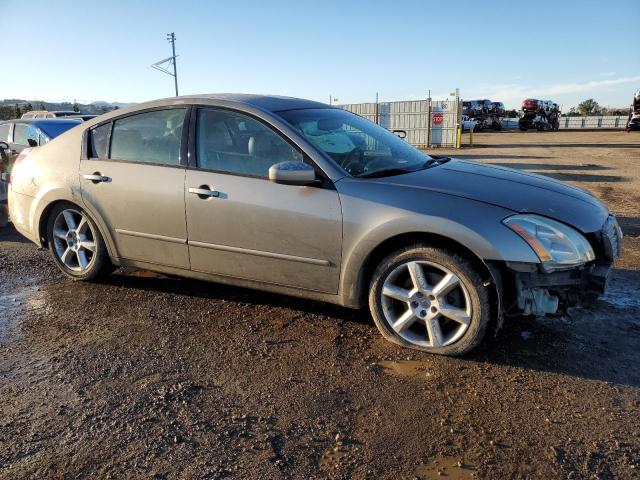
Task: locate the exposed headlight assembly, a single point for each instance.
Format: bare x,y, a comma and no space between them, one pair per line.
557,245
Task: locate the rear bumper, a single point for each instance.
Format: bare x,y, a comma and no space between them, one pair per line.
19,212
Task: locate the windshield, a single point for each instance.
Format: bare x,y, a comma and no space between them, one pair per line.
359,146
54,129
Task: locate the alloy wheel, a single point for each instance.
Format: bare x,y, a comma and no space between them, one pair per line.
74,240
426,304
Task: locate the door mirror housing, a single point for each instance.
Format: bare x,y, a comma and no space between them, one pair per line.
293,173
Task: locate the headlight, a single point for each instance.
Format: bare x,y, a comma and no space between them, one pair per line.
557,245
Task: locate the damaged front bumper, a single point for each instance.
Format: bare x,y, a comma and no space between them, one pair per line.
536,291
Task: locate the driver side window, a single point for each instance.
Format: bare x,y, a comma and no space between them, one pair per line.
234,143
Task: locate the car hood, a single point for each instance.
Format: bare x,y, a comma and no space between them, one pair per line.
518,191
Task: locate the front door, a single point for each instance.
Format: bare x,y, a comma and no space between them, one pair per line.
137,186
242,225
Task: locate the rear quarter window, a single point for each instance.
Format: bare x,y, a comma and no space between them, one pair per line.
99,141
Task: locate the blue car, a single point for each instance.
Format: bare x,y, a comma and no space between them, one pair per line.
20,134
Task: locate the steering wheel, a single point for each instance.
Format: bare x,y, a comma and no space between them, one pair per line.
353,162
371,164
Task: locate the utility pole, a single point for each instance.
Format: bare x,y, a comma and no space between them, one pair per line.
172,38
163,65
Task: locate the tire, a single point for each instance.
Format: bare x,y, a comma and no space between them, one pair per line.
81,253
395,300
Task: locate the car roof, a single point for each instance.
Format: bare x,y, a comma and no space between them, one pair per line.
272,103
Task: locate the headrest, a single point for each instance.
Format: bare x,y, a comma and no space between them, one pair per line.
259,144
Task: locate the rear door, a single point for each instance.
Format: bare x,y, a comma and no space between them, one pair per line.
247,226
133,177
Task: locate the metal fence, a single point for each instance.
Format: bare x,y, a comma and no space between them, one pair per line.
416,117
426,122
578,123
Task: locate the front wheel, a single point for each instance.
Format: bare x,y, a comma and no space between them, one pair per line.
430,299
75,243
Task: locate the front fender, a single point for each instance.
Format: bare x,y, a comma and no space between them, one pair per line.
368,223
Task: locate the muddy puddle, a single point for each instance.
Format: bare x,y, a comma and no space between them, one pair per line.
406,368
14,304
11,305
445,467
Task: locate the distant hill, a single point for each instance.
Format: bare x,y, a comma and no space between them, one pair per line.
7,106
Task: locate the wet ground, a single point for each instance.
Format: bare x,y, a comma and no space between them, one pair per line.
146,376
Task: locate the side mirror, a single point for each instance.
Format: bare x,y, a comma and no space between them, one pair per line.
293,173
32,142
400,133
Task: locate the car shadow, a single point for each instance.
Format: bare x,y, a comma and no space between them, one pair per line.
575,345
550,166
584,177
599,341
629,225
571,173
10,234
156,282
561,145
479,156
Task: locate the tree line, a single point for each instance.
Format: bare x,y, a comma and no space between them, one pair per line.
16,110
591,108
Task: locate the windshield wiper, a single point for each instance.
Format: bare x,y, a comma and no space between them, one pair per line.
386,172
437,160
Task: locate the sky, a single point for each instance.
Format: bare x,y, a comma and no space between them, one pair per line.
565,51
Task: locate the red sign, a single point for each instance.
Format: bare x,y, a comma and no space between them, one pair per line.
437,118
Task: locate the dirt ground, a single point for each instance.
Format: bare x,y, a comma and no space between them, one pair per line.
145,376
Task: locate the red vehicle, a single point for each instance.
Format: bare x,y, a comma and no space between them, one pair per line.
540,115
531,104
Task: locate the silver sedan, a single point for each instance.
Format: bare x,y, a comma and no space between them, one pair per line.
305,199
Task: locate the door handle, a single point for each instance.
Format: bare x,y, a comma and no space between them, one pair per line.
204,191
97,178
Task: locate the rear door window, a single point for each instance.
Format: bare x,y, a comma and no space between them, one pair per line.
99,141
151,137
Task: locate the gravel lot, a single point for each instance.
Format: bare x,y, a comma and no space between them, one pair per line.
146,376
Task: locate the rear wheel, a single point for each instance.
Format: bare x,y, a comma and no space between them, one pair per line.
75,243
430,299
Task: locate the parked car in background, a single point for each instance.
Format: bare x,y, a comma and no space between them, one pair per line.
84,118
302,198
467,124
47,114
19,135
25,133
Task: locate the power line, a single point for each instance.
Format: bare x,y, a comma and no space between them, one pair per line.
164,65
